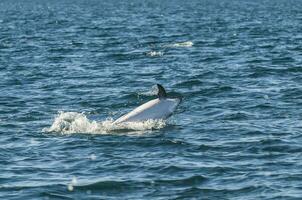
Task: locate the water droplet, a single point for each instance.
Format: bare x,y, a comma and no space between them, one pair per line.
92,156
70,187
74,180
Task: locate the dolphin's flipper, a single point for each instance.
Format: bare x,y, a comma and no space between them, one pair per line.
161,92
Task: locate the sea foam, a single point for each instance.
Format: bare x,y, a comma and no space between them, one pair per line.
155,53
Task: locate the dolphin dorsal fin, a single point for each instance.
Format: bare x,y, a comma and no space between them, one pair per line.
161,92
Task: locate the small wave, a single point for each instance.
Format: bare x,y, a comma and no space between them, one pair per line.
73,122
155,53
182,44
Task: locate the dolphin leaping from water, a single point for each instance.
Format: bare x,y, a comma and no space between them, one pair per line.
159,108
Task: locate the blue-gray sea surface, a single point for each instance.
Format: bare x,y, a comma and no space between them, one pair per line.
69,67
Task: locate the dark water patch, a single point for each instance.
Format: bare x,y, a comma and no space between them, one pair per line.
236,116
216,90
191,181
190,83
209,193
111,186
281,60
121,186
172,169
282,149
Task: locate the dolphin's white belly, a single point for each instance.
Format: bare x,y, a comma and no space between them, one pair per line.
154,109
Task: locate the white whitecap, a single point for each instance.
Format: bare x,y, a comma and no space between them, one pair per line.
182,44
155,53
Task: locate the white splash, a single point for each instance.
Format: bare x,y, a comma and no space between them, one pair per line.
155,53
182,44
92,157
70,187
73,122
74,180
72,183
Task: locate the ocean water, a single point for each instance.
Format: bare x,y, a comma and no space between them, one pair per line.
68,68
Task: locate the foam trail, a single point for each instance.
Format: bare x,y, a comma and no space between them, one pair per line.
182,44
73,122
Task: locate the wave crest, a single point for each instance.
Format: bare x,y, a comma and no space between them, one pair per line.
182,44
155,53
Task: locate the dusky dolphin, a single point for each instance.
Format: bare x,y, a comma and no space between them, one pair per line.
159,108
